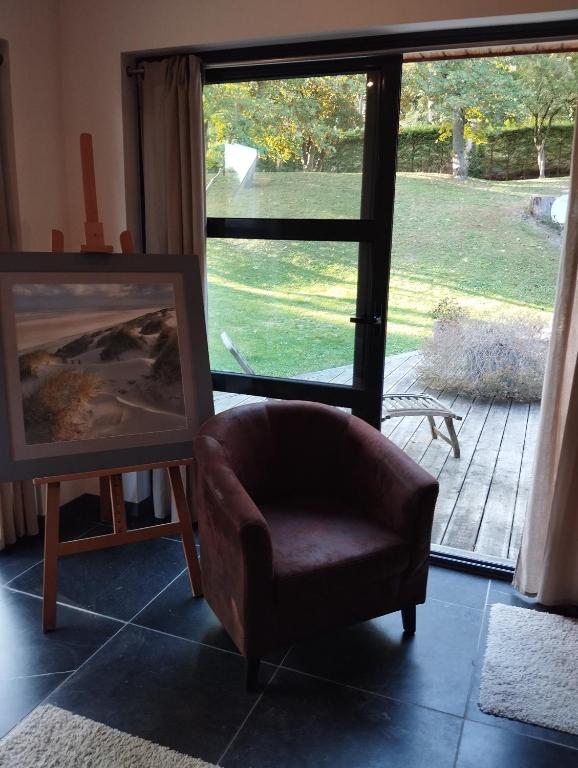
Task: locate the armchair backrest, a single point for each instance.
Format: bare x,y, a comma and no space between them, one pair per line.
286,448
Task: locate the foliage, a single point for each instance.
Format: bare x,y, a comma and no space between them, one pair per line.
167,365
75,347
486,358
116,342
31,362
546,88
506,153
510,153
448,309
54,411
465,96
301,120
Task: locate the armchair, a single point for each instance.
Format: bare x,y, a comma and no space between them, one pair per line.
309,519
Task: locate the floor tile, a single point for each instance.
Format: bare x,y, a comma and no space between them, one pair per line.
482,746
26,650
473,712
301,721
19,557
76,518
117,582
177,612
19,696
433,668
455,587
170,691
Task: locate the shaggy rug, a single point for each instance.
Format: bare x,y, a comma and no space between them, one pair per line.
53,738
530,668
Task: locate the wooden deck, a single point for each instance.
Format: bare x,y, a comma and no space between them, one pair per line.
483,494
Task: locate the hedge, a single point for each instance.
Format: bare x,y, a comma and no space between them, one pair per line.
507,153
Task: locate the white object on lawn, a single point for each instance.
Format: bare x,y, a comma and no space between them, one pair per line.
559,209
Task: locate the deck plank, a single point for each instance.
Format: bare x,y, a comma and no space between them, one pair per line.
462,530
498,514
453,473
524,481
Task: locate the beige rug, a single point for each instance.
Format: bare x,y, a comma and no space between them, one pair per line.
530,668
54,738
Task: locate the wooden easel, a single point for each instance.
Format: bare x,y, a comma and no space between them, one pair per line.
111,490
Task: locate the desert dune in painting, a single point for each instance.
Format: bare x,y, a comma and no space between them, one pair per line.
93,364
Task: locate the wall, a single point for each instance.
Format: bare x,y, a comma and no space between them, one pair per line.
32,67
95,34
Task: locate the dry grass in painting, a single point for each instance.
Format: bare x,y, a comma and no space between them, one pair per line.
57,409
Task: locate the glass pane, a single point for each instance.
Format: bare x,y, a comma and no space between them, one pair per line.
285,148
285,306
475,259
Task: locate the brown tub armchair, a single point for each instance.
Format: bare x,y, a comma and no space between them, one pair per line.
309,519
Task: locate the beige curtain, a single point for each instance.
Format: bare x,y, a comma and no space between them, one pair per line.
173,156
18,510
548,560
171,104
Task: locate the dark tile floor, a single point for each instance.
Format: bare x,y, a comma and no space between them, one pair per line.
134,650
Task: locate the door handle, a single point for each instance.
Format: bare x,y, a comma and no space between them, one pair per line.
366,320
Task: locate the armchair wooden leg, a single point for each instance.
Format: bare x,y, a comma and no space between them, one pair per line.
408,619
253,673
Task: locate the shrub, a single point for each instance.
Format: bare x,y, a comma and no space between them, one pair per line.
30,362
485,358
448,310
54,410
75,347
152,325
167,365
116,342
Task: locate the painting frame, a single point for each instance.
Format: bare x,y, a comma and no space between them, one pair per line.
21,458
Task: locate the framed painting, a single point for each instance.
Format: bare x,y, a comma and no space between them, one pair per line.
104,361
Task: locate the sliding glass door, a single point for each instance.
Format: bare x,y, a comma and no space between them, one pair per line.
300,164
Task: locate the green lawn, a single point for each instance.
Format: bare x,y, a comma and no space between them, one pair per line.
287,304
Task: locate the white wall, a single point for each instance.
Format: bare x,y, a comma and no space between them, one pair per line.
30,29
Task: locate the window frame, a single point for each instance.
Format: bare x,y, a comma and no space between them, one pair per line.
372,230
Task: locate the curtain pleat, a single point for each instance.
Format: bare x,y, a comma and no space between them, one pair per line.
171,104
548,560
18,508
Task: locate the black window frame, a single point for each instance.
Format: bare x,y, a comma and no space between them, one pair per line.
372,230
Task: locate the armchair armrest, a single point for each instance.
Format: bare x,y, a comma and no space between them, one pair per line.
236,551
390,486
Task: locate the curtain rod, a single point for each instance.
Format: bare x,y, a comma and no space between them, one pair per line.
513,49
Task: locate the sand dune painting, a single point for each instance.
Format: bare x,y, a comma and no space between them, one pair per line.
97,360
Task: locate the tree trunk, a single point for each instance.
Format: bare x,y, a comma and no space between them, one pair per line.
541,148
459,157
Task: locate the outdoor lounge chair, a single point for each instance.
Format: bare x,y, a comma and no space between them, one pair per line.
393,404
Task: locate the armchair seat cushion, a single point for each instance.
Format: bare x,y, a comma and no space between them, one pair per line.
321,545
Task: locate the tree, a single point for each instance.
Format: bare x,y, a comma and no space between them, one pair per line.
546,89
466,95
297,122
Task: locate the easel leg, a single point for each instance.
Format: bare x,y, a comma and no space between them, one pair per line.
105,504
186,524
50,588
117,505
